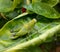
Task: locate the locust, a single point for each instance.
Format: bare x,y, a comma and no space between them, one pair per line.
25,29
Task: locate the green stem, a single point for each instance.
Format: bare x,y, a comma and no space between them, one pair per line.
36,41
21,15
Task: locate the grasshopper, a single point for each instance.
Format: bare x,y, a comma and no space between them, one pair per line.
25,29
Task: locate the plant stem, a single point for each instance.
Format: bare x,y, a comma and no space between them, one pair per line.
36,41
3,15
21,15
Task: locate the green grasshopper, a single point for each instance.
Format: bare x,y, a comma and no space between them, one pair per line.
25,29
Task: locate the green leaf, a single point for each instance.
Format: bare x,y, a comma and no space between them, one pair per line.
43,9
16,24
51,3
15,3
8,5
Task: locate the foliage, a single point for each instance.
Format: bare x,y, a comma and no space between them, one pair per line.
45,31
